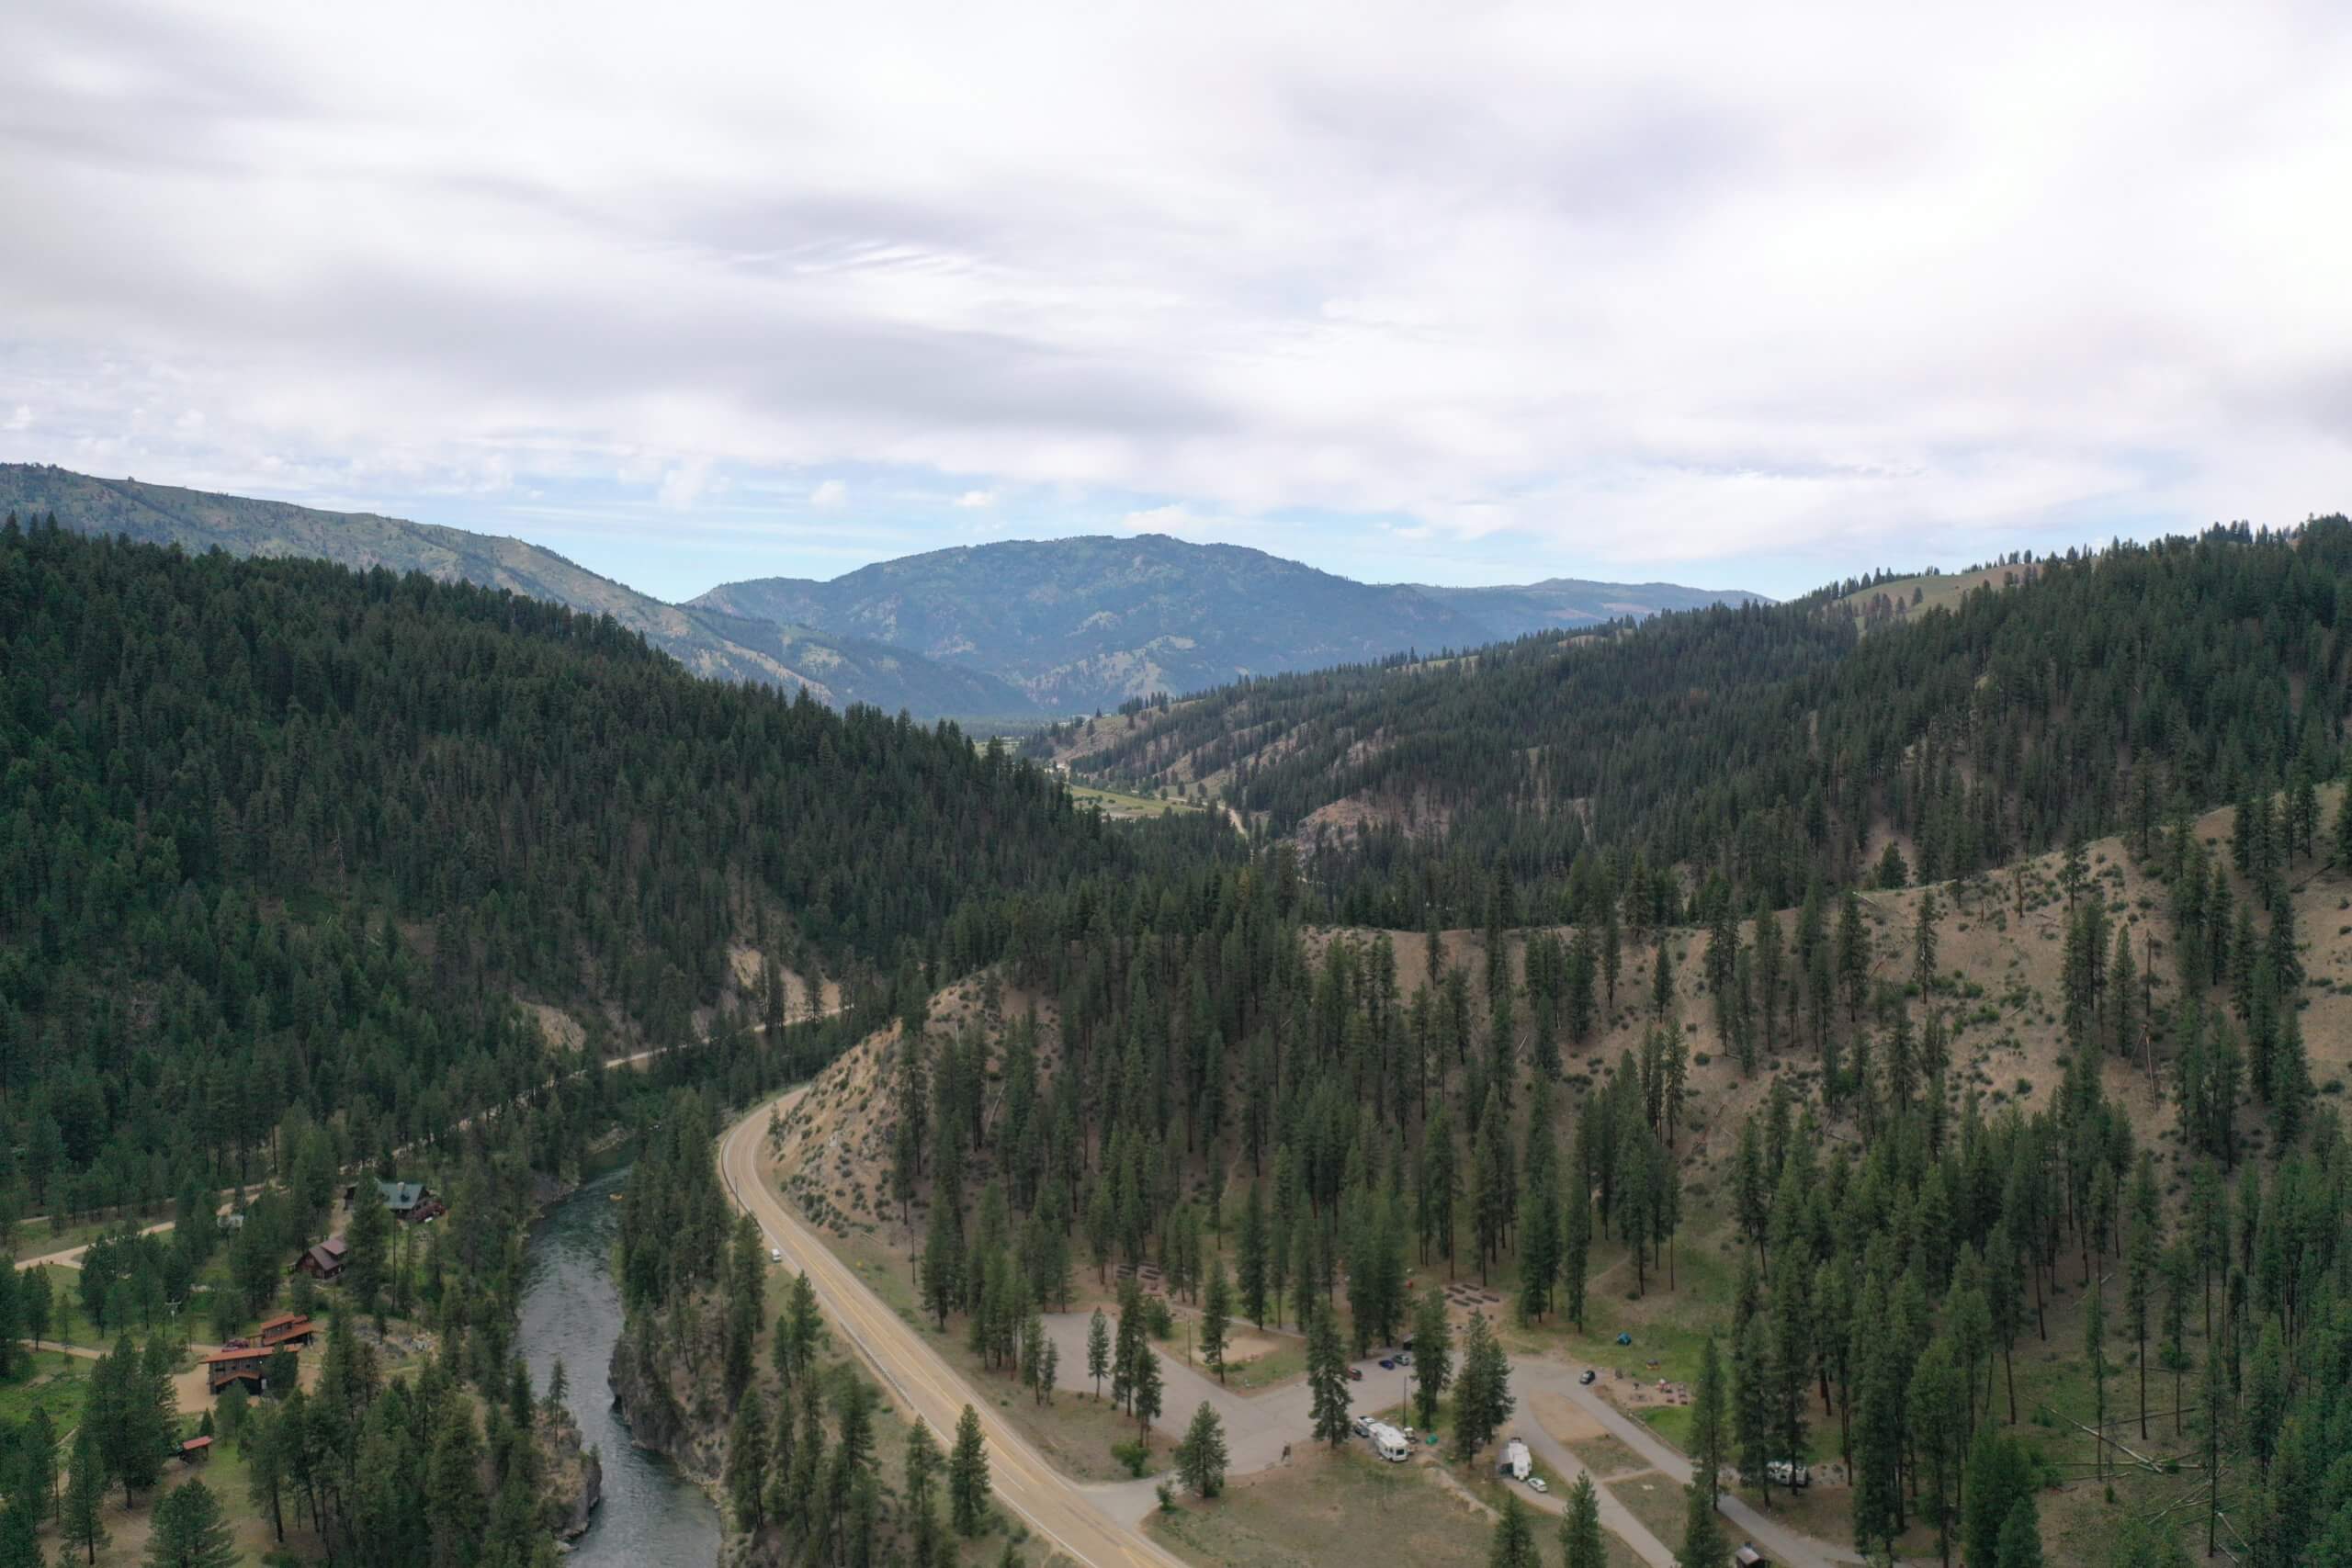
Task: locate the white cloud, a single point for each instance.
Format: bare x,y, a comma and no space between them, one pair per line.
1841,279
1172,518
683,484
975,499
21,418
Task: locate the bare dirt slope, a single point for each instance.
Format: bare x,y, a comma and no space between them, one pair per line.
835,1140
2000,959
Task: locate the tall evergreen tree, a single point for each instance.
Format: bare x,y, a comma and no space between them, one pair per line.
968,1476
1326,1376
190,1530
1582,1544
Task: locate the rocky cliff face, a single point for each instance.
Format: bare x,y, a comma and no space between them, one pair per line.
665,1376
575,1475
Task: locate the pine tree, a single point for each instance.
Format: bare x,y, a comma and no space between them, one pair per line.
1515,1543
1539,1243
1251,1247
2095,1349
1707,1422
453,1490
124,1416
2000,1477
1939,1416
1923,944
1098,1350
746,1298
81,1517
1149,1388
19,1538
799,1330
1201,1455
1432,1356
1217,1316
1327,1374
1703,1534
747,1462
2021,1543
1582,1544
1751,1407
1481,1396
1575,1236
368,1264
190,1530
968,1476
942,1256
923,1462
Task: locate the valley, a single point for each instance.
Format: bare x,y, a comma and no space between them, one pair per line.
1171,787
1734,1006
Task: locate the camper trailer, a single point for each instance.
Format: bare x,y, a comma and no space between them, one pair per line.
1393,1445
1515,1463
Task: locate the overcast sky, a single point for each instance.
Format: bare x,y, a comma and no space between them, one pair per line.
1736,295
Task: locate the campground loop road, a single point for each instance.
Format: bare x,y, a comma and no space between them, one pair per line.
1100,1525
1056,1508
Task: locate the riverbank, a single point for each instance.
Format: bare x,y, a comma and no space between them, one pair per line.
571,1313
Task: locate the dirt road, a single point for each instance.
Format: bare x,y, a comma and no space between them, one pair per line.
72,1256
1056,1508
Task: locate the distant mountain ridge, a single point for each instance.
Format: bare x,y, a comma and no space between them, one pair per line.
1564,603
1088,622
1013,630
705,639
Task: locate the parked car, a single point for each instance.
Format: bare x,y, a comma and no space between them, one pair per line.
1363,1424
1537,1483
1355,1374
1403,1358
776,1255
1387,1364
1588,1375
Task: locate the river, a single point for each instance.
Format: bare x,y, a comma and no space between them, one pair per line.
571,1308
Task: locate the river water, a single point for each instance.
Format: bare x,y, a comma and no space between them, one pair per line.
652,1515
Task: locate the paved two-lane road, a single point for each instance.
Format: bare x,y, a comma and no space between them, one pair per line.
1056,1509
1100,1525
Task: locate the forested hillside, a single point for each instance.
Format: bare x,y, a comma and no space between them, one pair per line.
276,834
1969,1170
1772,744
839,669
1960,1165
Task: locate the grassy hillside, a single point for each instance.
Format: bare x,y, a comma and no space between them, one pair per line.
835,670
